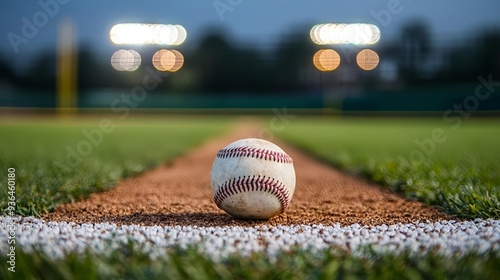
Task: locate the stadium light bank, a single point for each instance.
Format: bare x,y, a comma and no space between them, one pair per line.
344,34
154,34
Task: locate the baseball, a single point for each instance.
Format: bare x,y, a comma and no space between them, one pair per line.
252,179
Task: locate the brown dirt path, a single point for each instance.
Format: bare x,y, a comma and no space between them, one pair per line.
180,194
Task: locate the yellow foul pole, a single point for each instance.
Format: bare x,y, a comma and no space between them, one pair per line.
67,61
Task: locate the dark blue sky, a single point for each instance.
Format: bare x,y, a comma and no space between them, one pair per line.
257,22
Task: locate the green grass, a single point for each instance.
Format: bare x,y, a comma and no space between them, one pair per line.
56,163
457,169
461,175
130,263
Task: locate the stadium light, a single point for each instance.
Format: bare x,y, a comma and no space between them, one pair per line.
126,60
367,59
326,60
168,60
147,34
342,33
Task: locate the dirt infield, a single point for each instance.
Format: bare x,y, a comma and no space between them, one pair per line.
180,194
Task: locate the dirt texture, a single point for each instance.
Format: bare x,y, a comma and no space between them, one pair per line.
180,194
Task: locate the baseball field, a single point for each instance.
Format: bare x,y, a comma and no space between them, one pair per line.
376,197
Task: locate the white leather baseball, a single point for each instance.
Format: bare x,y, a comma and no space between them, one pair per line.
252,179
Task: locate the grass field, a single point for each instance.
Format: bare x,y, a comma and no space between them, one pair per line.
461,175
457,169
189,264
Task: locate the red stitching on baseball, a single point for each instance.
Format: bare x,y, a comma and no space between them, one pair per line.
245,151
252,183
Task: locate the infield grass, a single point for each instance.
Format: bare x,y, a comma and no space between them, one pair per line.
59,161
456,168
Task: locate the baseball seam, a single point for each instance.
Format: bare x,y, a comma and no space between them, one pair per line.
252,183
246,151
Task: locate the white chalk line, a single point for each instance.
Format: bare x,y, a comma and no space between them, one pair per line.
57,239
